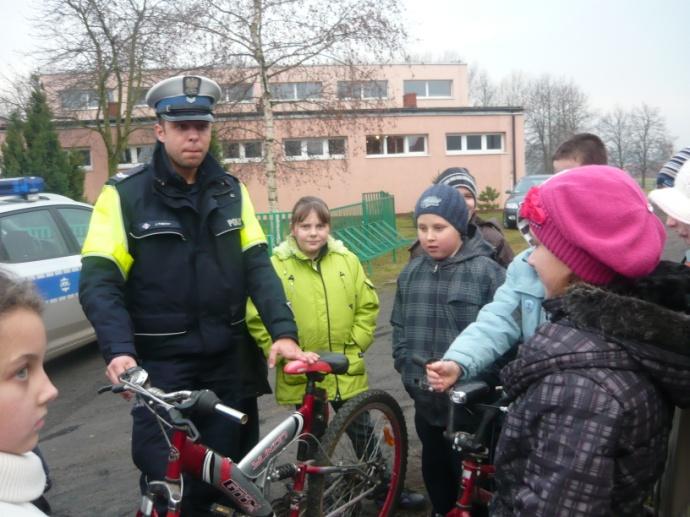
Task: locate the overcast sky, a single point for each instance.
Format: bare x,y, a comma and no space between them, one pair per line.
620,52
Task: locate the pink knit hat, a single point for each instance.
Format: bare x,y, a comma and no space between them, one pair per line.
597,221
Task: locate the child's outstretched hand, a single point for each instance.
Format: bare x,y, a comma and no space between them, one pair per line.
441,375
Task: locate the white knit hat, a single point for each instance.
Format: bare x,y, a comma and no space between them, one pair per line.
675,201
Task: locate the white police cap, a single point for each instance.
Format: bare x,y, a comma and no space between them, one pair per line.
184,97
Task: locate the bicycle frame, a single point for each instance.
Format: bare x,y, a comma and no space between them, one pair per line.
239,480
472,472
475,466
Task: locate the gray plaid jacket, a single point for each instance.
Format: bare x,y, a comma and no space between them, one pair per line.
434,302
593,392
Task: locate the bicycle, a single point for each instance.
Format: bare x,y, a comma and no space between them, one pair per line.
475,449
335,474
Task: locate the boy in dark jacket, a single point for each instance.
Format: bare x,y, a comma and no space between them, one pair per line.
461,179
438,295
592,390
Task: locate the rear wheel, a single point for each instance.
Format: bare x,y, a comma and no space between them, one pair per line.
367,440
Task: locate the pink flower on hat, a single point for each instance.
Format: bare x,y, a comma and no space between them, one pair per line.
532,209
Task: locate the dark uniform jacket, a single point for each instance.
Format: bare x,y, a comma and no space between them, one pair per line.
593,394
167,268
434,302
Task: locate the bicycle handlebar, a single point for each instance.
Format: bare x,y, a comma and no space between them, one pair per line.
135,380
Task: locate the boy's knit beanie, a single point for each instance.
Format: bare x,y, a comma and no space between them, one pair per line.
445,202
597,221
457,177
667,174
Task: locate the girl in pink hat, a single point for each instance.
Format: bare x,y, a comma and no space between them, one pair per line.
593,390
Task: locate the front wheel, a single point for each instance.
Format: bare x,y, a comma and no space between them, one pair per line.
367,443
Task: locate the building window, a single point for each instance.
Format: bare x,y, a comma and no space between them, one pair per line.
362,89
81,99
239,92
383,145
83,156
249,151
135,155
474,143
430,88
295,91
314,148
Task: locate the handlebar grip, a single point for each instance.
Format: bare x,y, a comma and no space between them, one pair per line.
209,401
233,414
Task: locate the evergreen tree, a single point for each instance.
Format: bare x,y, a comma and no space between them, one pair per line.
45,156
13,148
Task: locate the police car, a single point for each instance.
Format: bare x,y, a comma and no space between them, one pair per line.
40,239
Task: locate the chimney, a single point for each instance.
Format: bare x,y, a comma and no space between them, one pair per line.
410,100
113,111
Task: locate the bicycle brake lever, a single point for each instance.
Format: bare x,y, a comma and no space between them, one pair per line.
178,420
104,389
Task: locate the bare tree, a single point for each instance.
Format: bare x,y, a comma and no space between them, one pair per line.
555,109
483,91
651,144
614,128
106,46
514,90
274,38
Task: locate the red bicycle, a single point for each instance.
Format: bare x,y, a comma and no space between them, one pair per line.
353,465
475,448
477,468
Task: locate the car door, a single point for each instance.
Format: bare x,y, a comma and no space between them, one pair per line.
42,245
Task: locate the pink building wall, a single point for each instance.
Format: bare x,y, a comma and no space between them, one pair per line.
340,181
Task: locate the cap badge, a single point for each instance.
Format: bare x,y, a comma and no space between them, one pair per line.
430,201
191,86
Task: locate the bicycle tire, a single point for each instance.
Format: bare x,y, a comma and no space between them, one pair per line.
383,459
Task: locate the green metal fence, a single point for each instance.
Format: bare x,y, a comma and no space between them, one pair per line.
367,228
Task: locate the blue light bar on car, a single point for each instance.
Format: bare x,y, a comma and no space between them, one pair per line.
25,186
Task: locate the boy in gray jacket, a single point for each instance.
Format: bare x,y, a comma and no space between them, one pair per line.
438,295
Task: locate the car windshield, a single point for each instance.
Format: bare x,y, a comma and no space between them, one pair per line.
526,183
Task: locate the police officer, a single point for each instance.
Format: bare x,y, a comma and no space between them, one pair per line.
173,251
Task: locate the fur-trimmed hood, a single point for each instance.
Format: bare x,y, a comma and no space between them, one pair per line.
641,325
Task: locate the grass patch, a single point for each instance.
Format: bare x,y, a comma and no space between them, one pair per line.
385,269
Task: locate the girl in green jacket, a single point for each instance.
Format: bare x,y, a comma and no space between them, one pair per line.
334,303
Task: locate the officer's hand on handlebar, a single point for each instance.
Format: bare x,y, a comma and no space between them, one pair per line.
290,350
116,367
441,375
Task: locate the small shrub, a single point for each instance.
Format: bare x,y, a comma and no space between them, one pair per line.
487,199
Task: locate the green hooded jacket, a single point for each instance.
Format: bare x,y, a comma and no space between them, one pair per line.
335,307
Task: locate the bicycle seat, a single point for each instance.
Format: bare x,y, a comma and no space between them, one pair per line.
329,362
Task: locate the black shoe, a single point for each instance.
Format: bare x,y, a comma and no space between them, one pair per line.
411,500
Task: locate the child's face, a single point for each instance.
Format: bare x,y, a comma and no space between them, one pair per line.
311,234
682,229
25,389
553,273
439,239
469,198
565,163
